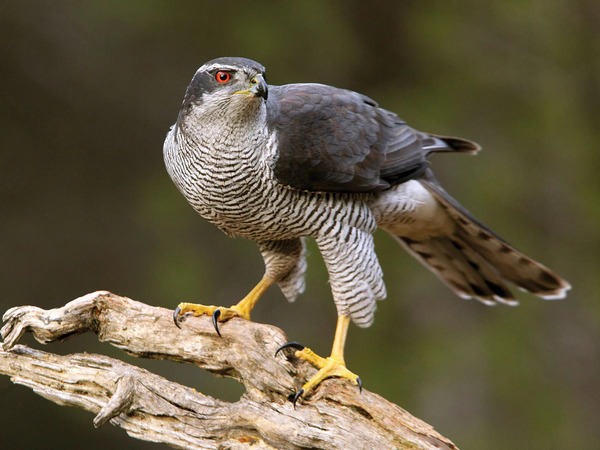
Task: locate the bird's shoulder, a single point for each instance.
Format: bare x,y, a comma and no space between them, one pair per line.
315,97
332,139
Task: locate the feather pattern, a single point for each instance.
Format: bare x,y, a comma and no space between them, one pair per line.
327,163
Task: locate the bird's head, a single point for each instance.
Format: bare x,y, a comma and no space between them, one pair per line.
226,88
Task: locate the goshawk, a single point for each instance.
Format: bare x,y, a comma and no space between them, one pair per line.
278,164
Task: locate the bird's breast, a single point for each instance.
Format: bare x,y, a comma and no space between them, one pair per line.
230,187
235,189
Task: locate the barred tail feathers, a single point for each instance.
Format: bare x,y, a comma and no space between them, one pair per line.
475,262
458,266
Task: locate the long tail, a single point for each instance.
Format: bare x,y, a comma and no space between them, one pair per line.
475,262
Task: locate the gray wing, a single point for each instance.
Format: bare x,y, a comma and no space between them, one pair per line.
331,139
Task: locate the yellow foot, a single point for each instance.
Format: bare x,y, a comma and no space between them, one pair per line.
328,367
218,313
222,314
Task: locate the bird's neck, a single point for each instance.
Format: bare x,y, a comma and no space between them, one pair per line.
212,142
227,129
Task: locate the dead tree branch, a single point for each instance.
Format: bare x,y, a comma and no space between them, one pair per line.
151,408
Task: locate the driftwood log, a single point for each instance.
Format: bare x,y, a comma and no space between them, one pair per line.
151,408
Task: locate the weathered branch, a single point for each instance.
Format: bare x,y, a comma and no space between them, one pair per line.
152,408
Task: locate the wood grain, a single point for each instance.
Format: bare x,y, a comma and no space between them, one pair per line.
152,408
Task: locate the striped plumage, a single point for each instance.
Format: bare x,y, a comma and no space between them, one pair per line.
234,189
316,161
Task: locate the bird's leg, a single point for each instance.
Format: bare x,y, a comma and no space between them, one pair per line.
222,314
333,366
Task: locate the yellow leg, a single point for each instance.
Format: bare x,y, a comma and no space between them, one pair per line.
333,366
222,314
339,341
247,304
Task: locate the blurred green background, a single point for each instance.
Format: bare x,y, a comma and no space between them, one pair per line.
90,88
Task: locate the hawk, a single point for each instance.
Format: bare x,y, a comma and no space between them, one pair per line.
279,164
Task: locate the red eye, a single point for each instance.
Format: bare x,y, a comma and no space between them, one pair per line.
222,76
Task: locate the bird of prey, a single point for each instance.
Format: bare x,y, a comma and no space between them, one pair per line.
279,164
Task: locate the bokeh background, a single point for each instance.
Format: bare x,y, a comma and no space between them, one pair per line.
88,90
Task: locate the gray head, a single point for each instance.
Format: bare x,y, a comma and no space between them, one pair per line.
224,87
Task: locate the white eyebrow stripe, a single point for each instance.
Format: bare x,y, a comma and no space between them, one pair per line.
212,67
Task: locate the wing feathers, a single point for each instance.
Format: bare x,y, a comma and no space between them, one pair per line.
331,139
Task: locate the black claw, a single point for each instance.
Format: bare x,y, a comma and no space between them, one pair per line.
359,381
215,316
294,398
292,344
176,316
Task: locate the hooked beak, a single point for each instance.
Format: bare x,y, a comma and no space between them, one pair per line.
258,88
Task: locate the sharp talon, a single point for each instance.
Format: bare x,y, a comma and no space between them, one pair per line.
176,315
215,316
359,381
297,396
295,345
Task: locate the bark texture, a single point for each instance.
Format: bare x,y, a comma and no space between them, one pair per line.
152,408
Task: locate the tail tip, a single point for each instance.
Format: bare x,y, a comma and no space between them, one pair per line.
557,293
